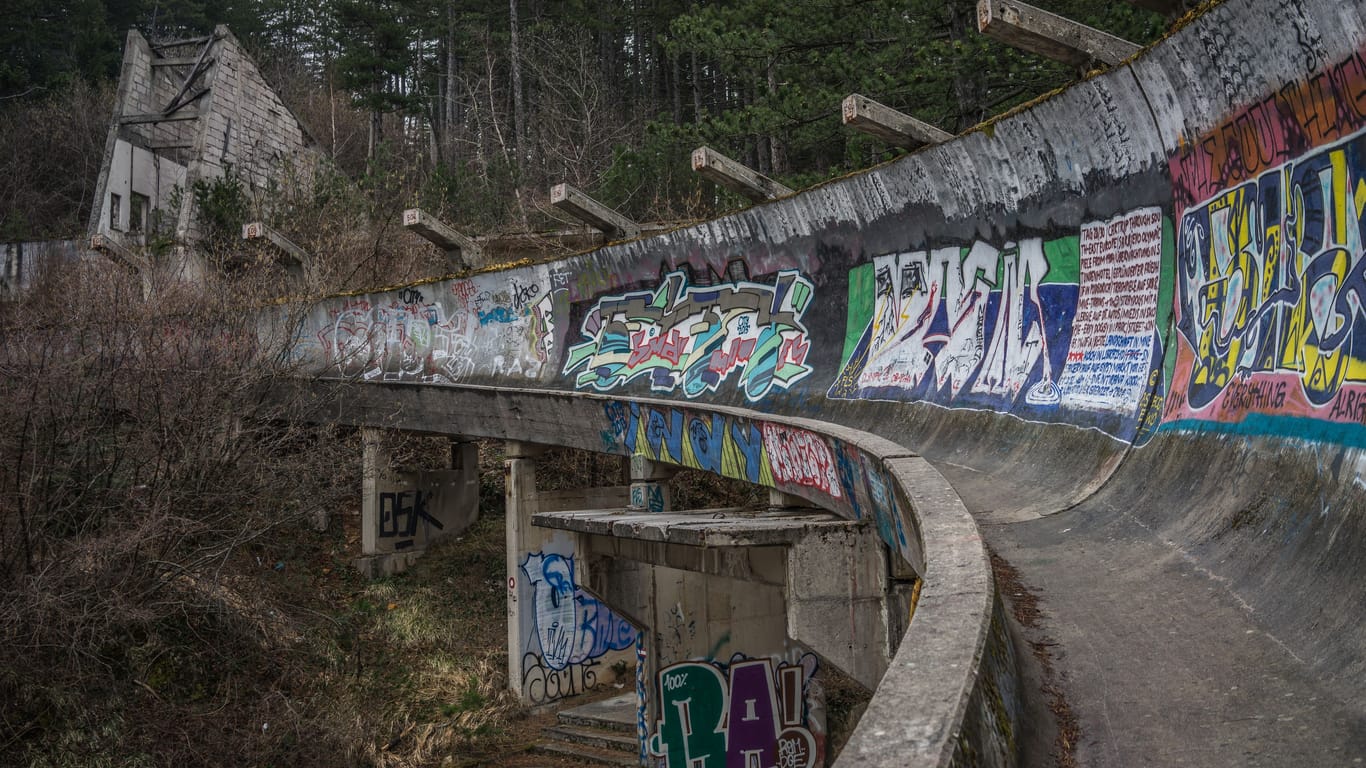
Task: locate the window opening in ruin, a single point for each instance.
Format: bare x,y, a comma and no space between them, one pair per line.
114,221
137,212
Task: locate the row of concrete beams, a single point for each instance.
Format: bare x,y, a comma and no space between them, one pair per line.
1017,24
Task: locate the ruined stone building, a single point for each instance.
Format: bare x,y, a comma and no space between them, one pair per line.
187,110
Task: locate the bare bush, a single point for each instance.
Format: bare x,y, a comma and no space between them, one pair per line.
141,450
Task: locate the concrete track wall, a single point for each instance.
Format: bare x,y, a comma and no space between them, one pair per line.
1146,293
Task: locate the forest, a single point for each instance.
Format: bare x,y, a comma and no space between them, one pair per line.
472,109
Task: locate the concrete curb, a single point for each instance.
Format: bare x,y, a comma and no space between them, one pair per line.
917,714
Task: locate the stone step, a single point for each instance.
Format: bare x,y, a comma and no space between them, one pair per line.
593,737
587,754
615,714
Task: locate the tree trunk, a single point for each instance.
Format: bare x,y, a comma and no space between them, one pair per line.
450,112
518,109
676,88
376,122
696,71
966,90
777,148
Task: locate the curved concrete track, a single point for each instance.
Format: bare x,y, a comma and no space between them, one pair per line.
1128,325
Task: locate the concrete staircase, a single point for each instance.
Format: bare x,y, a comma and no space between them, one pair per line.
600,733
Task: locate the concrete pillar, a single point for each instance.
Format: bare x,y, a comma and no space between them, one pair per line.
838,600
375,470
404,512
562,640
650,490
520,497
778,500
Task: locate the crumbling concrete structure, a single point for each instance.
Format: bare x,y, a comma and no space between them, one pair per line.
187,111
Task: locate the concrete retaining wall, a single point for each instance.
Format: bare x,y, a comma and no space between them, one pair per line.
1147,290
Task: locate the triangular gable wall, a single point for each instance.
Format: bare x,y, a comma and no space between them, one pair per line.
185,111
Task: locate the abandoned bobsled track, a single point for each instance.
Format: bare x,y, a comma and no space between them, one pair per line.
1120,337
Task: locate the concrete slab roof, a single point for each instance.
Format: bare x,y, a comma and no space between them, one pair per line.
729,527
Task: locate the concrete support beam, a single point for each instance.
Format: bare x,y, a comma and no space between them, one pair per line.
258,230
1047,34
574,202
759,565
712,165
118,252
650,491
461,250
883,122
157,117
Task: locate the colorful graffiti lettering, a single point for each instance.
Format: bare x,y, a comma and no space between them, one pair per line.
725,446
1271,290
693,338
760,452
934,326
998,328
740,717
1299,116
571,626
800,457
648,496
460,333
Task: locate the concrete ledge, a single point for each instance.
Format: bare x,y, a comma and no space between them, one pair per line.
731,527
387,564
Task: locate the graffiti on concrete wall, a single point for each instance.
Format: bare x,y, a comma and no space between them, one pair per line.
799,457
402,514
1110,354
691,339
1323,108
571,630
1271,283
1271,293
412,509
714,442
751,712
650,497
760,452
444,332
1053,330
